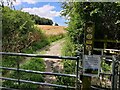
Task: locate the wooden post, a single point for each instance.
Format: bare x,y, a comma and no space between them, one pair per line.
88,50
86,82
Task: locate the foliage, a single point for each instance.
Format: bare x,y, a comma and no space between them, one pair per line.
18,31
56,24
68,48
19,35
105,15
41,21
33,64
9,3
106,67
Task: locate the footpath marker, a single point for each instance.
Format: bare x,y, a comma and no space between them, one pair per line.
88,50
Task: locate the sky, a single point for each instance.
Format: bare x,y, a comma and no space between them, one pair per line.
44,8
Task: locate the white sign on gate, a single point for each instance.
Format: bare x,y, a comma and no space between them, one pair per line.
91,65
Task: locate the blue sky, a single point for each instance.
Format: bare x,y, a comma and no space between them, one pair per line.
46,9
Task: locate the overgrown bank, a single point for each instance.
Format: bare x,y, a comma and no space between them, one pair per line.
19,34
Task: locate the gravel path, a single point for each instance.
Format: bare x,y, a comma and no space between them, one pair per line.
53,65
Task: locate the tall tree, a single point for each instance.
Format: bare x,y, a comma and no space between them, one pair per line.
9,3
105,15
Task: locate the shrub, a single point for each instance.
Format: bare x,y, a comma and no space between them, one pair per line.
19,35
33,64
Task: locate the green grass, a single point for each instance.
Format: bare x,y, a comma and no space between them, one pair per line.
33,64
54,38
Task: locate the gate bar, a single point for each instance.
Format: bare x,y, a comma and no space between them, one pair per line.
4,88
37,55
38,72
37,83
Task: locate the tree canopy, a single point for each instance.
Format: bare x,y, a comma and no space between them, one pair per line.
105,15
41,21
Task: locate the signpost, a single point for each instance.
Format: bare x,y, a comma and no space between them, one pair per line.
88,50
89,36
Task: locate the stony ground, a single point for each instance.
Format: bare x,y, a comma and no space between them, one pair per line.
53,65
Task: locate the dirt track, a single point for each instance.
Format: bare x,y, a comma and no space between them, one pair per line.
53,65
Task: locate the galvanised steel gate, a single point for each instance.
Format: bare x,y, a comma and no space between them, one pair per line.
114,75
38,72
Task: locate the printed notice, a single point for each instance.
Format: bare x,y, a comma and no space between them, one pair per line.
91,65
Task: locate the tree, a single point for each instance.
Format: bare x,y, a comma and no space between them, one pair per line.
41,21
9,3
105,15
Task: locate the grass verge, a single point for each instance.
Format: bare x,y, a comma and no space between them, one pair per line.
33,64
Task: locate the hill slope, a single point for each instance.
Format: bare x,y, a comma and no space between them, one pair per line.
52,30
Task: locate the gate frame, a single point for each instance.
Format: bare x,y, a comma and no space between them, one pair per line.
38,72
115,67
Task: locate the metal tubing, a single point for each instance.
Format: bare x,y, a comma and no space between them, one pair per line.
47,73
113,73
38,72
77,74
38,55
109,74
4,88
37,83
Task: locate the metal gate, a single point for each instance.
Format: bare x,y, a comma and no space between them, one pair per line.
19,80
114,75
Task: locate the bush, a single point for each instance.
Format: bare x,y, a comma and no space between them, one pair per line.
19,35
33,64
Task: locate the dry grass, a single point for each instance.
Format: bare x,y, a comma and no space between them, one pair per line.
52,30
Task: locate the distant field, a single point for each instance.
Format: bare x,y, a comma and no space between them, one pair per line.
52,30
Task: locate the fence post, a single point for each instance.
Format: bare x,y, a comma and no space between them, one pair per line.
86,82
119,71
77,73
114,74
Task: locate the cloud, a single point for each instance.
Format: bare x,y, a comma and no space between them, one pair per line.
30,1
18,2
27,1
46,11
